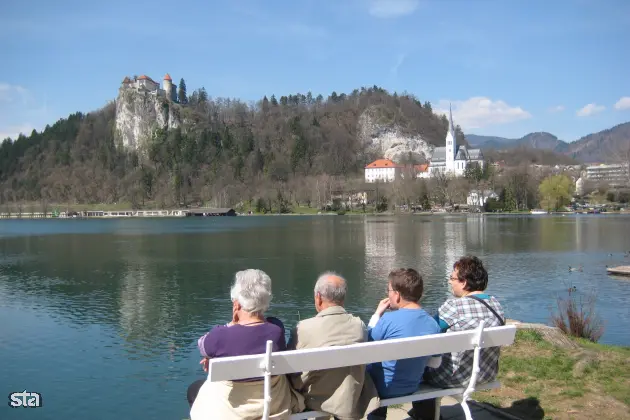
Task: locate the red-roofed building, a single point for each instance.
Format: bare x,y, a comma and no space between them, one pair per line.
383,170
144,83
422,171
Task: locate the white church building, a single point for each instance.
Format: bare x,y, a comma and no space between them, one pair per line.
449,160
453,159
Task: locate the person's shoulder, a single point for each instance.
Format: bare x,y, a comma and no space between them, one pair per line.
216,331
355,319
451,301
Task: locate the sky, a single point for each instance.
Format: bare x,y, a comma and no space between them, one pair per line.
508,67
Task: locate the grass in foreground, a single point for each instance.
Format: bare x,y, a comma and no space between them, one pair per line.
590,382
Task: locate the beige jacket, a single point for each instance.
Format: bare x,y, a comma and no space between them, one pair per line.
348,393
227,400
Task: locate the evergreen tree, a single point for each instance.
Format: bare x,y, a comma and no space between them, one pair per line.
203,95
181,93
265,104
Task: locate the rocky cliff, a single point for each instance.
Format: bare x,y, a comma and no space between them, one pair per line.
380,134
139,114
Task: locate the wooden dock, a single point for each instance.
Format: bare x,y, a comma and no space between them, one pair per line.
622,270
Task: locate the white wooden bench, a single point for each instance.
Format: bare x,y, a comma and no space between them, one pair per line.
281,363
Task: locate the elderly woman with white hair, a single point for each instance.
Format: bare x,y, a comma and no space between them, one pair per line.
247,334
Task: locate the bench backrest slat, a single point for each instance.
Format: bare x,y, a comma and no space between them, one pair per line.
240,367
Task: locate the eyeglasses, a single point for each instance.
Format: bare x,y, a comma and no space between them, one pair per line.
389,289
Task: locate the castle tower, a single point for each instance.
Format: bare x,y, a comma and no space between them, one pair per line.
450,143
168,87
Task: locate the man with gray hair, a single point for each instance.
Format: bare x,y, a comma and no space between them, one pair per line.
346,393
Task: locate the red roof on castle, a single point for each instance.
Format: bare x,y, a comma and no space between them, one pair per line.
382,163
168,77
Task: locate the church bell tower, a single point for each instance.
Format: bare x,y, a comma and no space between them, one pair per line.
450,143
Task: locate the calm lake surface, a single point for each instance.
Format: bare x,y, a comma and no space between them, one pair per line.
102,316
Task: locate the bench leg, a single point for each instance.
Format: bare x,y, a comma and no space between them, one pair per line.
438,404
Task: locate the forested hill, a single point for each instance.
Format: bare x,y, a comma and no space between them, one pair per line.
225,152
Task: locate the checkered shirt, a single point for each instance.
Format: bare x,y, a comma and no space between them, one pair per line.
456,368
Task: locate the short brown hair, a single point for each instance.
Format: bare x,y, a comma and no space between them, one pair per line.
407,282
471,270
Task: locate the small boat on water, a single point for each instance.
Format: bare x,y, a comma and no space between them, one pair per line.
620,271
538,211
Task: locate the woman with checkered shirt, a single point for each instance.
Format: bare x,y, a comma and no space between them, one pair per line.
470,305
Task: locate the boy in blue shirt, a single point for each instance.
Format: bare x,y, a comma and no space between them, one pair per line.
395,378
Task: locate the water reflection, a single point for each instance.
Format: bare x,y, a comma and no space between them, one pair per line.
119,304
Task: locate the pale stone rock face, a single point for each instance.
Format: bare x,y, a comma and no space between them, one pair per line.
139,114
388,141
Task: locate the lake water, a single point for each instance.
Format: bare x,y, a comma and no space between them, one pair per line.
102,316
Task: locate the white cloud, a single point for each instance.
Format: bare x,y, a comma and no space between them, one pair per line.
479,111
14,131
392,8
590,109
19,110
557,108
10,93
623,103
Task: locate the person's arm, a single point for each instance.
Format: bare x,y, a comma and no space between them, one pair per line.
441,323
376,327
208,342
383,305
207,347
447,315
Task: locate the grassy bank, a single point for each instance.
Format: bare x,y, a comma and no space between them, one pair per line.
585,382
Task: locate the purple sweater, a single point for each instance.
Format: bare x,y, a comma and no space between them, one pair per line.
241,340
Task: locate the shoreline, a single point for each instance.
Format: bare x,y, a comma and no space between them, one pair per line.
45,216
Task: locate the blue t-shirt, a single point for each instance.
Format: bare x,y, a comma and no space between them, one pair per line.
400,377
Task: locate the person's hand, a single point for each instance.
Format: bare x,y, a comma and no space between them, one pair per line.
383,305
234,319
205,362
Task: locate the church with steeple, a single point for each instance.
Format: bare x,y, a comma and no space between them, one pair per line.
453,159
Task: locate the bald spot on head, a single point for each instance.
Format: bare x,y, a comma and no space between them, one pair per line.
331,287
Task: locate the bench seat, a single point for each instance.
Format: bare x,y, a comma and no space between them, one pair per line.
294,361
426,392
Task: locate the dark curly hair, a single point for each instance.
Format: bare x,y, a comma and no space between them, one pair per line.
471,269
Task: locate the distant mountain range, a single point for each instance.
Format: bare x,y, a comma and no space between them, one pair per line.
612,145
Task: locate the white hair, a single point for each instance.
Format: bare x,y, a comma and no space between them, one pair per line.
331,291
252,289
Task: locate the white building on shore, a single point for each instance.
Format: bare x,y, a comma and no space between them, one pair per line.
382,170
613,174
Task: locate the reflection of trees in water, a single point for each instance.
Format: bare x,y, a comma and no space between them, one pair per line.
380,250
148,305
430,245
475,230
454,245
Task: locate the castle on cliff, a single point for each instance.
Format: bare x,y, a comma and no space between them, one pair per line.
146,84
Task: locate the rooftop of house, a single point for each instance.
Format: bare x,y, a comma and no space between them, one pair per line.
382,163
